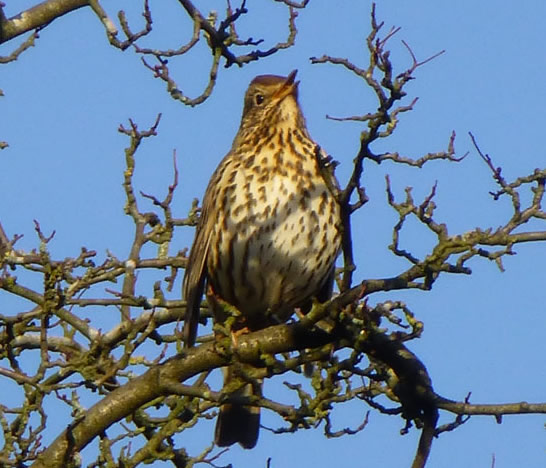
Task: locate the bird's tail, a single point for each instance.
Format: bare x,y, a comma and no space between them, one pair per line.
238,423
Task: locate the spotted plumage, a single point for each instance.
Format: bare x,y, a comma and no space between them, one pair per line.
268,235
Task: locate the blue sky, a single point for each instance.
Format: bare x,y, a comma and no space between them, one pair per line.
65,98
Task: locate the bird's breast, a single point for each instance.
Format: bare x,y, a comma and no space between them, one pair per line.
277,233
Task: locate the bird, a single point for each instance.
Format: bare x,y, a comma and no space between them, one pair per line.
268,235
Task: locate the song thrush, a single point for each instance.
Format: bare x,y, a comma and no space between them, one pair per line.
268,236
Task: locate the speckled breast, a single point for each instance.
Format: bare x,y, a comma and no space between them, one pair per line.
277,233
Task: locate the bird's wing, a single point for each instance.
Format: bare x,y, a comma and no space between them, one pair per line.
196,275
196,272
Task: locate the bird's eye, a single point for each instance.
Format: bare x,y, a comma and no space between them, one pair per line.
259,99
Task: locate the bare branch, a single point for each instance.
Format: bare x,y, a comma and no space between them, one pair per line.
498,410
25,45
37,17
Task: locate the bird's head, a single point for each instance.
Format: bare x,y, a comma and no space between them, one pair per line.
271,99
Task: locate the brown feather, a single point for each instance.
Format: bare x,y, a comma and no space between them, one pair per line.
195,278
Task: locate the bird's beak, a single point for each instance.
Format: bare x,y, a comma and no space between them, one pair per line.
288,87
290,79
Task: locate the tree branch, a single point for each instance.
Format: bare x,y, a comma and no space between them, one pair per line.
37,17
